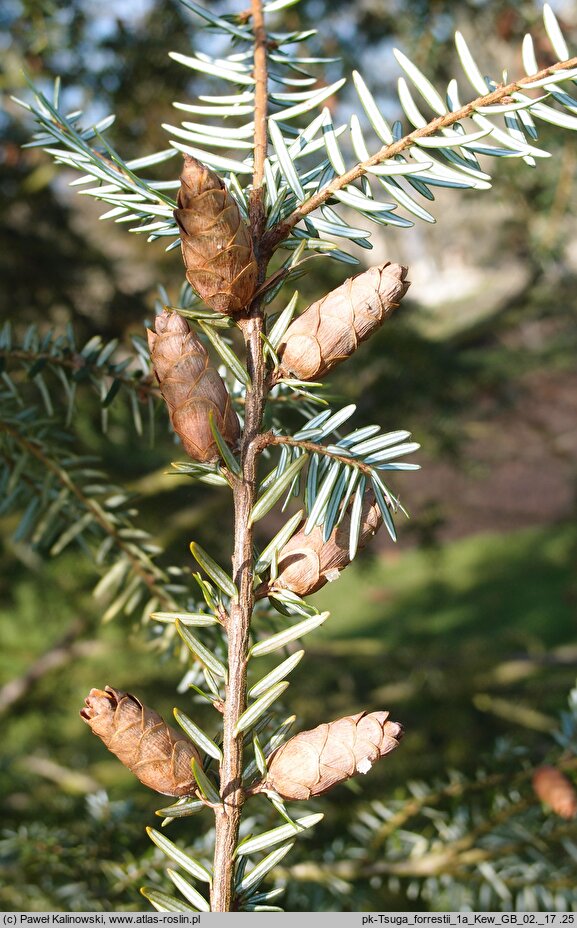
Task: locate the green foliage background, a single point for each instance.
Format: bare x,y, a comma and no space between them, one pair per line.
466,631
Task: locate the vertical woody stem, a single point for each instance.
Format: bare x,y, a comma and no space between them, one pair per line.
244,495
257,213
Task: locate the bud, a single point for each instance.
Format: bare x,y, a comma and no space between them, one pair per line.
216,243
307,562
158,755
331,329
191,388
554,790
314,761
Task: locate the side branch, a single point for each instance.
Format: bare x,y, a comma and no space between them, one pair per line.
279,232
75,363
143,568
454,856
269,438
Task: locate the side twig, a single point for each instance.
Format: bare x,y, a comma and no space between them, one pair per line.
142,566
268,438
75,363
453,857
279,232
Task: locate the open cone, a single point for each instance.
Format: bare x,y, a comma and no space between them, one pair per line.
157,754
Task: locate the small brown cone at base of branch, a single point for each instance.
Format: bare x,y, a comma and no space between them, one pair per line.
555,790
191,388
314,761
157,754
216,243
331,329
306,563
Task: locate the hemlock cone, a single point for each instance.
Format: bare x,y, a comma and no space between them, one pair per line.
331,329
157,754
316,760
191,388
555,790
216,243
306,563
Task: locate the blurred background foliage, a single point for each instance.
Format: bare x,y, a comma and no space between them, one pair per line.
466,628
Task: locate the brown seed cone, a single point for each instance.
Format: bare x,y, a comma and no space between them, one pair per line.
314,761
331,329
554,790
307,562
158,755
191,388
216,243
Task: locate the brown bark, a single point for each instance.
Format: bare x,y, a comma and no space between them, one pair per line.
227,820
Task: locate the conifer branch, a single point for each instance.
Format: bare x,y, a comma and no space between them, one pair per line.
451,858
221,224
142,566
143,385
268,438
282,229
